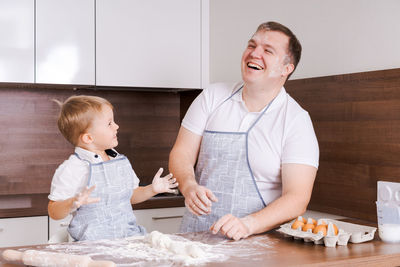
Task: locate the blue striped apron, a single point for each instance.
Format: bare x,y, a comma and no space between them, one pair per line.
223,167
112,217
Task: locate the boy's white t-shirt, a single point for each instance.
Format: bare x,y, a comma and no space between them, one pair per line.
284,134
72,175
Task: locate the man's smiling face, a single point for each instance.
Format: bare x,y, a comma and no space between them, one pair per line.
265,58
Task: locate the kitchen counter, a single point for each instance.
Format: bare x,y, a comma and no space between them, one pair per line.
273,249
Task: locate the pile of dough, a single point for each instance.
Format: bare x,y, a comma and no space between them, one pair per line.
160,240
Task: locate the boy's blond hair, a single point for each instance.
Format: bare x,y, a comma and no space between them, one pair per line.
77,114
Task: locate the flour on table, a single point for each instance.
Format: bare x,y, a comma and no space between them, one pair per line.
158,249
188,248
154,249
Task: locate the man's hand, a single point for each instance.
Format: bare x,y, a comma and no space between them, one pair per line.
164,184
233,227
198,199
83,198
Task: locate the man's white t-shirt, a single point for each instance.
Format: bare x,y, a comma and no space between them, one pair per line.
71,177
284,134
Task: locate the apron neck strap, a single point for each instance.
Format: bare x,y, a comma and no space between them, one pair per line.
262,113
76,155
237,91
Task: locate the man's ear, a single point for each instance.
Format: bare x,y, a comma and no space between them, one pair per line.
287,69
86,138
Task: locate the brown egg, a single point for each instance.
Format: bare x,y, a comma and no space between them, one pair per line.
296,224
308,226
301,218
335,228
320,228
322,222
313,221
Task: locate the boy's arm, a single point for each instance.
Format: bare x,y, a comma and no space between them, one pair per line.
159,185
60,209
142,193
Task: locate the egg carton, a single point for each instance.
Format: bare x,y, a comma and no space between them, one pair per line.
348,232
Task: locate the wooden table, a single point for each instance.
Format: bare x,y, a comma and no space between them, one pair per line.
272,249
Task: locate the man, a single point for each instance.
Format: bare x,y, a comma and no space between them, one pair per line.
254,147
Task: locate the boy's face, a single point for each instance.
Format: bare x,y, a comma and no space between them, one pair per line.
103,130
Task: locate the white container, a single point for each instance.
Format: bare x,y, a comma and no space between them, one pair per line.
389,232
388,211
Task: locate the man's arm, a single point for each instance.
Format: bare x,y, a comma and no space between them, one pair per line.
297,184
182,159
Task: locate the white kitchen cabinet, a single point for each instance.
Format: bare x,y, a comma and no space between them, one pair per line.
166,220
65,41
153,43
58,230
17,41
23,231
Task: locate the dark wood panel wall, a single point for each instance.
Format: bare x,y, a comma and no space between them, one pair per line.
357,122
31,146
356,118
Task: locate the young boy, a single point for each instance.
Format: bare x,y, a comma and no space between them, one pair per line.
96,184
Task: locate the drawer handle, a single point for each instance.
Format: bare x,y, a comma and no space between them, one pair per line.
64,224
167,217
1,230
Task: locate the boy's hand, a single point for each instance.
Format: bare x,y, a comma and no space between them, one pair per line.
164,184
83,198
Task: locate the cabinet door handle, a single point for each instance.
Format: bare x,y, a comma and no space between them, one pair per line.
64,224
167,217
1,230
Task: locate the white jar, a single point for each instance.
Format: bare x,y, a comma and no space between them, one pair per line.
389,232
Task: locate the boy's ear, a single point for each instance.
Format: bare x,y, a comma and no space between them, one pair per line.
86,138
